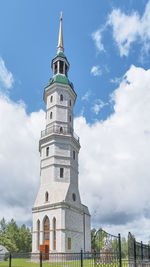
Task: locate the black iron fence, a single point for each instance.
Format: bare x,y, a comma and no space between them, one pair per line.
138,253
107,251
107,247
63,260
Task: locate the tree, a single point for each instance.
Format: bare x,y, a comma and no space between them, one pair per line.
25,239
14,238
99,238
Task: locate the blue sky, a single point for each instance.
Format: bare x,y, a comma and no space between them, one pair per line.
108,46
29,35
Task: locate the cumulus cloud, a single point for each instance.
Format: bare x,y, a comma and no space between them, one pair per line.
98,106
116,80
127,28
114,159
19,159
86,96
6,77
96,71
97,38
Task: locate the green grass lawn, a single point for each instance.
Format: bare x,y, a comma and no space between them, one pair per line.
86,263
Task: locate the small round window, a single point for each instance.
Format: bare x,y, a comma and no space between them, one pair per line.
74,197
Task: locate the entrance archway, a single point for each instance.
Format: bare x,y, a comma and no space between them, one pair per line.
46,233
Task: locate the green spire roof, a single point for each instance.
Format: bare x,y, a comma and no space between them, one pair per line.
60,79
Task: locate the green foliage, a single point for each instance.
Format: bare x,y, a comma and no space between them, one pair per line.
124,248
97,239
14,238
93,231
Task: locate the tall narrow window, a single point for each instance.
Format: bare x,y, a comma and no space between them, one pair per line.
51,99
74,197
66,69
47,151
70,118
61,129
38,228
69,243
54,233
46,230
55,68
46,196
51,115
74,154
61,64
61,172
70,102
61,97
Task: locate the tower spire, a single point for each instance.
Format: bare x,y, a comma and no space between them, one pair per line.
60,47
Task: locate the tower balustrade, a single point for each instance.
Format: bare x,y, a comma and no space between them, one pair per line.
62,130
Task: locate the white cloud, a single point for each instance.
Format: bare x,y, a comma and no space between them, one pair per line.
130,28
98,106
127,28
97,37
86,96
19,159
96,71
6,77
116,80
114,159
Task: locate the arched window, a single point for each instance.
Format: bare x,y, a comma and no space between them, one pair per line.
51,115
38,239
54,233
74,197
51,99
46,196
61,97
47,151
61,129
46,230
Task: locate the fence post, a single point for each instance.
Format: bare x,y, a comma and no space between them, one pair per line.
40,258
135,252
119,243
148,252
141,251
81,258
10,260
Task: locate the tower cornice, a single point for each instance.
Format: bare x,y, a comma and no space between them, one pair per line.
58,85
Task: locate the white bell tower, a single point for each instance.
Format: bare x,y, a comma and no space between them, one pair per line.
60,222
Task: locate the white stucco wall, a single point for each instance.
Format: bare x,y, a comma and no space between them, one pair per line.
72,218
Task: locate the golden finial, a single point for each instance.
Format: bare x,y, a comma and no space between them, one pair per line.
60,40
